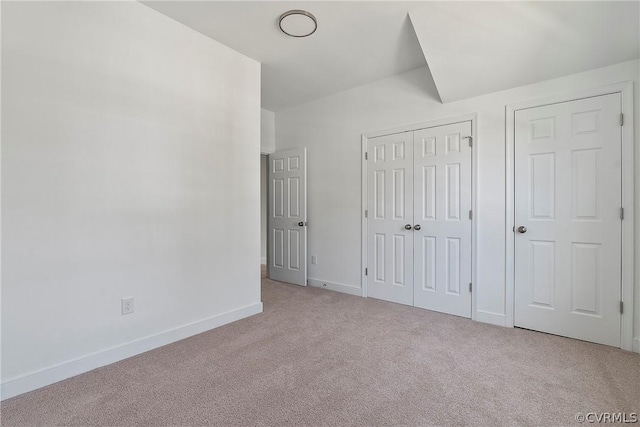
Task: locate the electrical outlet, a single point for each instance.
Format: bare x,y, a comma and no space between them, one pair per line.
314,259
127,305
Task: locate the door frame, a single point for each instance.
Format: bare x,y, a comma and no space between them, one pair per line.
266,172
268,204
473,118
625,89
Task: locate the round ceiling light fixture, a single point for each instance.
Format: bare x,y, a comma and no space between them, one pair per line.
298,23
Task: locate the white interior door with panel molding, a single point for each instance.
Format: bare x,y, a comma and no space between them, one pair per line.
442,208
419,198
568,228
287,247
390,218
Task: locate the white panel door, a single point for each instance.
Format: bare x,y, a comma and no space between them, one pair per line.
390,218
442,230
287,251
567,216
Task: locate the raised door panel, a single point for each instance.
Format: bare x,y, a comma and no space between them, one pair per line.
542,269
452,192
585,184
542,186
586,281
277,202
277,240
294,197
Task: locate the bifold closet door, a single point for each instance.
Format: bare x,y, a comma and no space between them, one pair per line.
442,205
390,218
419,230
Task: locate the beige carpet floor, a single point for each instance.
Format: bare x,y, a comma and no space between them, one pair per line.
316,357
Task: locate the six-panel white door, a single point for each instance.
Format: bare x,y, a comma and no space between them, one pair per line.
390,218
442,205
419,230
287,250
567,219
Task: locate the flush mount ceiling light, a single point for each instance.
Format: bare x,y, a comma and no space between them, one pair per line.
298,23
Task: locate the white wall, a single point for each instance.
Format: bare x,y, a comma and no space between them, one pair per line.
331,128
129,168
267,131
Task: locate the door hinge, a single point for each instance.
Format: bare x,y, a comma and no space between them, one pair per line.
621,119
366,271
366,155
621,307
621,213
470,287
366,213
470,138
470,214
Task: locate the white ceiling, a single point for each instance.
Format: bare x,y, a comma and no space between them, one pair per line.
356,43
472,48
475,48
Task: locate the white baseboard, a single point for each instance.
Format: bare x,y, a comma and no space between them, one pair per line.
491,318
263,261
351,290
61,371
636,345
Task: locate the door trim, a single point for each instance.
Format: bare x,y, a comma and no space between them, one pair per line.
625,89
473,118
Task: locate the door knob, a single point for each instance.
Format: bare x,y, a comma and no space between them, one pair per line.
407,227
522,229
301,224
417,227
